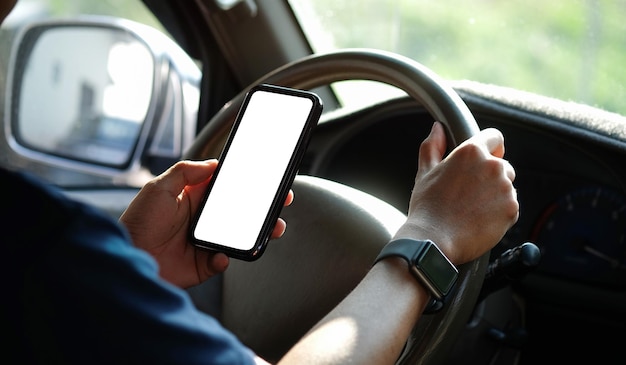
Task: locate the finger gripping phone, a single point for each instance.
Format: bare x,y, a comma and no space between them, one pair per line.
257,167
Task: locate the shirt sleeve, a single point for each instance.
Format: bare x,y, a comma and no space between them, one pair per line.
85,294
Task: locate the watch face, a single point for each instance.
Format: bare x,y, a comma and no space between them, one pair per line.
435,266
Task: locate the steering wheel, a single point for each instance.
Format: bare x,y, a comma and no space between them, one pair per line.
334,232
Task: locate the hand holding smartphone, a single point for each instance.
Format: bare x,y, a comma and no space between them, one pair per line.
257,167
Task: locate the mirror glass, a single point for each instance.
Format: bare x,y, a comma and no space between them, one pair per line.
84,94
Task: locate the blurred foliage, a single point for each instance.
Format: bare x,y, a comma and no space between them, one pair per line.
574,50
570,49
129,9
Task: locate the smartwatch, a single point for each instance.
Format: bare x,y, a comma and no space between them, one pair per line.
427,264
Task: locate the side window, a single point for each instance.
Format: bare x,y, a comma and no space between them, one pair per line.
94,89
29,10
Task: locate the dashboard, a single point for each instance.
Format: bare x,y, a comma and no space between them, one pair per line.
571,183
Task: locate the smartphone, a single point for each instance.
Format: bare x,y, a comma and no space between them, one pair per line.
256,169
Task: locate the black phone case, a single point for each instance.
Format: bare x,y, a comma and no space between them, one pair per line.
288,178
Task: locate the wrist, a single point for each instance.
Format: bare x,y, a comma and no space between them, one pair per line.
426,263
396,273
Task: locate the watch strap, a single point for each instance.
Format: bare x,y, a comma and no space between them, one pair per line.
407,249
411,251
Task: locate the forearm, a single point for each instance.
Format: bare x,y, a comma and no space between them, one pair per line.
371,325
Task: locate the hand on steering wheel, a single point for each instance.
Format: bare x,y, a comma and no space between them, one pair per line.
433,335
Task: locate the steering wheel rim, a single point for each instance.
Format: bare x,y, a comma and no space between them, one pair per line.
434,334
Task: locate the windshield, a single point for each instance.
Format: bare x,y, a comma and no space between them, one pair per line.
573,50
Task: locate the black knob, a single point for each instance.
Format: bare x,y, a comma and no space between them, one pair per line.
512,265
515,262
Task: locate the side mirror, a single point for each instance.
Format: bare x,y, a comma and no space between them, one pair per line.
102,94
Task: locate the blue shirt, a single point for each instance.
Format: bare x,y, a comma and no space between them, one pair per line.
76,291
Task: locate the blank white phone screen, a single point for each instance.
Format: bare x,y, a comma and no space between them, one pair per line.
252,170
